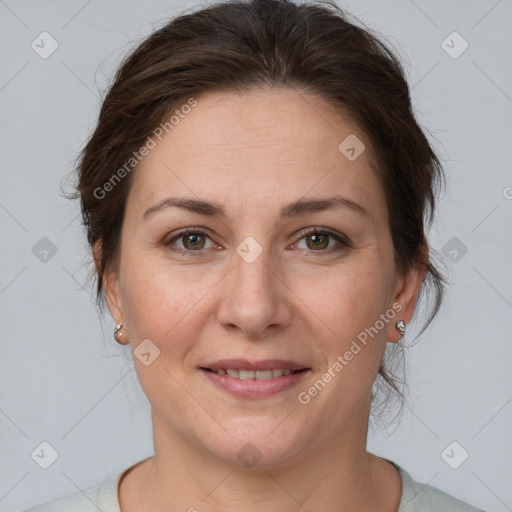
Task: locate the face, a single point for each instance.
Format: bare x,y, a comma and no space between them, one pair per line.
286,264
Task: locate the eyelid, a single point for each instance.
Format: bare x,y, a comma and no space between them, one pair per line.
315,230
188,231
343,242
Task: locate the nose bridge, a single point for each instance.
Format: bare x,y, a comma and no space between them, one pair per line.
251,268
253,299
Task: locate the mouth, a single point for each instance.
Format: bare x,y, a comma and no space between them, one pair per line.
257,374
254,379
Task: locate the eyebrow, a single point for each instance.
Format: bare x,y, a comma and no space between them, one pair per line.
214,209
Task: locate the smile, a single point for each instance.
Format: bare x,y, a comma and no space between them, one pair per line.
257,375
254,383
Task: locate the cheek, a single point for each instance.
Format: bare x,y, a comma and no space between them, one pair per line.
347,301
166,305
349,307
149,299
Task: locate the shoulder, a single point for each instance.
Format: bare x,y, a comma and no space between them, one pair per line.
419,497
100,497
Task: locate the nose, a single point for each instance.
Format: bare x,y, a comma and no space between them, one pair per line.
255,297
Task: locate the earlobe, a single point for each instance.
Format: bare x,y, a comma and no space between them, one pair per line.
110,285
113,295
406,293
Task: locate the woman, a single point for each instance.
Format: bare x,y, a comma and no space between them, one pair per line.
254,195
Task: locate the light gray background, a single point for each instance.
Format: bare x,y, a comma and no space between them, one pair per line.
65,381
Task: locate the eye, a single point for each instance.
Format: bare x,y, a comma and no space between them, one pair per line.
318,240
193,240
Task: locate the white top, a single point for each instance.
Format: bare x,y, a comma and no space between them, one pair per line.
416,497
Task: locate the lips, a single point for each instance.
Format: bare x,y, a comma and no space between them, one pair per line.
257,374
260,370
255,378
244,364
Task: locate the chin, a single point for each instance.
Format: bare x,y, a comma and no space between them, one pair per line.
257,444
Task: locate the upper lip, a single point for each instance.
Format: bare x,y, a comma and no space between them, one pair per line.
244,364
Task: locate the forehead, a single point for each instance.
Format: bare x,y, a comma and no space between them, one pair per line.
258,146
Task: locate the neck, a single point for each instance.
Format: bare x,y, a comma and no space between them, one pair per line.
335,478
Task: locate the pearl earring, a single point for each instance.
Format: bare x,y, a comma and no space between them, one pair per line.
400,325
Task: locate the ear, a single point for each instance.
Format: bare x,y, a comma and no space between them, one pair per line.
406,293
110,284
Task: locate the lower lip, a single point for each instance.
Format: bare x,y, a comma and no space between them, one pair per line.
255,388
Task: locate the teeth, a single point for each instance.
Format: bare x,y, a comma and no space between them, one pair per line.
263,374
258,374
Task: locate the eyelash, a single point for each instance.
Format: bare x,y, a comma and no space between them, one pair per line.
343,242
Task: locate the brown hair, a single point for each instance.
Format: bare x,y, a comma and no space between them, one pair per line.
239,45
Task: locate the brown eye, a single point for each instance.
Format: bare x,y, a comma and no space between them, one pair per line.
193,241
318,241
189,241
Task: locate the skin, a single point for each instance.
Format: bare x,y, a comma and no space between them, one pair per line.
255,152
